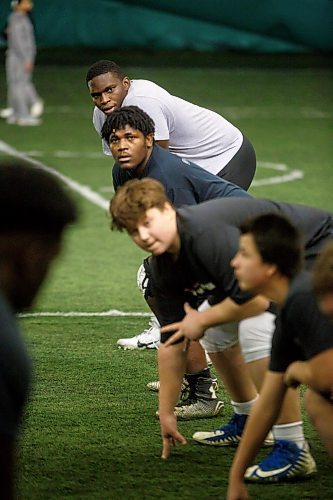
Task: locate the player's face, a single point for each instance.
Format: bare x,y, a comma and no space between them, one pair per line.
250,270
108,91
26,5
326,304
130,148
157,232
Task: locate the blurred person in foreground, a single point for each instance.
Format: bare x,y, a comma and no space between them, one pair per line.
24,104
34,211
269,262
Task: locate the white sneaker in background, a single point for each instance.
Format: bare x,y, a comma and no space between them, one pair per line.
6,112
148,339
28,122
23,122
37,109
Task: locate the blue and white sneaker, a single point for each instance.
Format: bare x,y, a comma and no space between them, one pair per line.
228,435
286,462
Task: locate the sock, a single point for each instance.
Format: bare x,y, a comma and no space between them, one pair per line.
290,432
193,377
243,408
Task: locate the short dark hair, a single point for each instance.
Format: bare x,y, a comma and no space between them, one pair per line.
102,67
133,199
133,116
278,242
32,200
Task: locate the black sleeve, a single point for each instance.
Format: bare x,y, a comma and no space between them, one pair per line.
302,332
119,177
115,177
215,250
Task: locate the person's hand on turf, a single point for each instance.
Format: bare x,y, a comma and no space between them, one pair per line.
237,491
189,327
170,434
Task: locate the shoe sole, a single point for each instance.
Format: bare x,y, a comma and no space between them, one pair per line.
292,479
217,444
215,386
133,348
218,412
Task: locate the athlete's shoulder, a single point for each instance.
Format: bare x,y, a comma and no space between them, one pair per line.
146,88
98,119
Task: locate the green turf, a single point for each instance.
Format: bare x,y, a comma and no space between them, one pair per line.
90,430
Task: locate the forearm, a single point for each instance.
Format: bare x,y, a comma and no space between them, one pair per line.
171,365
316,373
228,311
298,372
252,439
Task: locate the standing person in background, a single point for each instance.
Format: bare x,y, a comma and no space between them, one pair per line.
24,104
32,223
194,133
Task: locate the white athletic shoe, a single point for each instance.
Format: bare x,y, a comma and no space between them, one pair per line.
23,122
6,112
28,122
37,109
148,339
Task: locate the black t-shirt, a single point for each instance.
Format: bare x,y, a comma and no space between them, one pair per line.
302,330
209,234
185,182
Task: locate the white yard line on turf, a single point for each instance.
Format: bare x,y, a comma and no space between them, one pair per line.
288,176
79,314
85,191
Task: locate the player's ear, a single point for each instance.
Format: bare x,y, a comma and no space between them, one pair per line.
126,82
150,140
168,207
271,270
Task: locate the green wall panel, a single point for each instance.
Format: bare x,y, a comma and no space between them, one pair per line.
243,25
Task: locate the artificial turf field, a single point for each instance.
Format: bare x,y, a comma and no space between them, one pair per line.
90,430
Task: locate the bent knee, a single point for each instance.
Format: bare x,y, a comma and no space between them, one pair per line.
255,336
